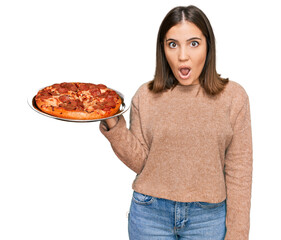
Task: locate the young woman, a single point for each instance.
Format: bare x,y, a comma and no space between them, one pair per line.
189,141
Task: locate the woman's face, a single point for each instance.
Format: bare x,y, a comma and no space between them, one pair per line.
185,50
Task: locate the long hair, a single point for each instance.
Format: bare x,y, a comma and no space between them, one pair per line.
209,79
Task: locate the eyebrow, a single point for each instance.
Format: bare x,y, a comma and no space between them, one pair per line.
193,38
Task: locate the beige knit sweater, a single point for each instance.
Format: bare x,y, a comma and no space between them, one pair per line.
186,146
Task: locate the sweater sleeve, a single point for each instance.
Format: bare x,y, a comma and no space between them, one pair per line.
128,144
238,176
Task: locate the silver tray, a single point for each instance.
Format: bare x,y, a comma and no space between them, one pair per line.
31,102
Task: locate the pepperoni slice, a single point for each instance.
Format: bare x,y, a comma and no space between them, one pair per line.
100,105
64,98
84,87
95,92
69,107
62,90
54,93
91,85
64,84
69,86
101,86
73,103
112,95
110,104
56,86
73,88
106,108
44,95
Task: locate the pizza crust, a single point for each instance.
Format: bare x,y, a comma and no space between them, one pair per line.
73,114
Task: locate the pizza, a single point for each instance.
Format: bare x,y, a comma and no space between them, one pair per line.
80,101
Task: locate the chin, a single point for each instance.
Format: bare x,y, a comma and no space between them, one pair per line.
187,82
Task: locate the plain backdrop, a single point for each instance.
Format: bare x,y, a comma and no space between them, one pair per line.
61,180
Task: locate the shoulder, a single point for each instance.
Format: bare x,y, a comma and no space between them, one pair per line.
143,89
236,96
142,92
235,90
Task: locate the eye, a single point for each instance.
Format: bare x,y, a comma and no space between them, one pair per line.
172,45
194,44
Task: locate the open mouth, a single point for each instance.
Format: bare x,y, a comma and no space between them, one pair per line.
184,72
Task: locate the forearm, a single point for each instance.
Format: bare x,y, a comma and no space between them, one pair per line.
125,144
238,206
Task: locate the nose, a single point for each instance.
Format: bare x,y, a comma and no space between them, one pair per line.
183,54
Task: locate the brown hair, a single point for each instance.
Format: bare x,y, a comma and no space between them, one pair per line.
209,79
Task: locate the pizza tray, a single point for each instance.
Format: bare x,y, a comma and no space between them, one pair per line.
31,102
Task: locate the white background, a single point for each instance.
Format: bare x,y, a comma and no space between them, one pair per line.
61,180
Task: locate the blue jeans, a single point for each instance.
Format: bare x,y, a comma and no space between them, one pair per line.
153,218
